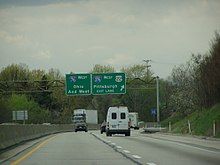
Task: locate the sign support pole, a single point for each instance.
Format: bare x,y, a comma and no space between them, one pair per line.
158,110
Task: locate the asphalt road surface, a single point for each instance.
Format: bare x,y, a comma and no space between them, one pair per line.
72,148
93,148
167,150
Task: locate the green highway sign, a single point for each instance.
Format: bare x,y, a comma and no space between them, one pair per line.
78,84
96,84
108,83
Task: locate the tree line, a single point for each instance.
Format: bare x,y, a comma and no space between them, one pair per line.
55,107
195,85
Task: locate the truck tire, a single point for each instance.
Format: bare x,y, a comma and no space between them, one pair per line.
128,134
108,134
75,130
86,130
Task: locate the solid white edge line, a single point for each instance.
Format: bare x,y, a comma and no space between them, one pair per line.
182,144
150,163
119,147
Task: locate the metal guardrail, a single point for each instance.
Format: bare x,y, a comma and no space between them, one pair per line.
152,127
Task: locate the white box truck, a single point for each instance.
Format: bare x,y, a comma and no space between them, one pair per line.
133,117
81,118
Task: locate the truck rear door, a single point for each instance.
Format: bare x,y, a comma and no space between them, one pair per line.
114,121
122,119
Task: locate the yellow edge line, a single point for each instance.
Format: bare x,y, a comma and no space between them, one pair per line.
31,152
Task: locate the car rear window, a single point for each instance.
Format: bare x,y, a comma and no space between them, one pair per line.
114,115
123,116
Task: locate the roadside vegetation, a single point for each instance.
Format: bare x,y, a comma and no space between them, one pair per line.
32,90
194,93
201,122
191,92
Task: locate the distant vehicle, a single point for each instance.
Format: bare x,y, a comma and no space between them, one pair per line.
91,115
141,124
117,121
103,127
133,117
79,119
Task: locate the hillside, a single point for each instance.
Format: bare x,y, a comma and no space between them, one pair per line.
201,122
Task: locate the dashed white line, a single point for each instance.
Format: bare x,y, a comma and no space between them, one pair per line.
126,151
113,144
136,156
119,147
150,163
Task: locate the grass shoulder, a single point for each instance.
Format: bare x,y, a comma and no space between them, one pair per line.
201,122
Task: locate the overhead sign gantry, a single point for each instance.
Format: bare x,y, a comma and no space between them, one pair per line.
96,84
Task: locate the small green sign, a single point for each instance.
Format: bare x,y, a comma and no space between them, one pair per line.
78,84
108,83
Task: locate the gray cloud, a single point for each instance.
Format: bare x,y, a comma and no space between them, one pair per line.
76,35
17,39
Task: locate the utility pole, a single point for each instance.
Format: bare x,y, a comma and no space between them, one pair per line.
158,110
148,66
157,84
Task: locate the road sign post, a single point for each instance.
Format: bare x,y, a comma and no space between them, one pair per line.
108,83
20,115
78,84
153,112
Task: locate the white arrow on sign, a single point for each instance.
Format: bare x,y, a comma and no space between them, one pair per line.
122,87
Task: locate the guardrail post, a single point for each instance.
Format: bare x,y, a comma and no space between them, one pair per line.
214,128
190,132
169,126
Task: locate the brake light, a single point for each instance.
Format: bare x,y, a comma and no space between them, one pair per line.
107,124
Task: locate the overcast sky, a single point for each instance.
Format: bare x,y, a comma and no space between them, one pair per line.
76,35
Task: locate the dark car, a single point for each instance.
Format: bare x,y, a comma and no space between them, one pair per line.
102,127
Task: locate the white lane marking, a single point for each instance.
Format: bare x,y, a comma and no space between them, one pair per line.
119,147
113,144
126,151
151,164
136,156
108,141
180,144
